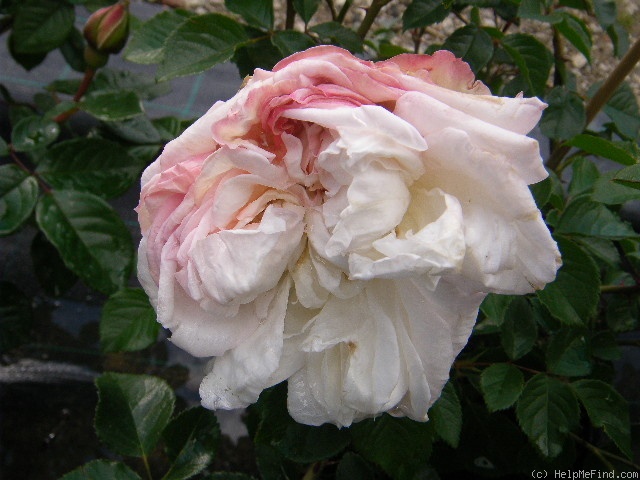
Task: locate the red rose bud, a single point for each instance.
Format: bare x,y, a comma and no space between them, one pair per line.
107,29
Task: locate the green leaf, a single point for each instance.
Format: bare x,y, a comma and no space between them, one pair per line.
147,43
33,132
112,106
473,44
139,130
519,330
577,32
532,58
565,116
290,41
583,216
306,8
584,174
622,313
114,81
422,13
495,306
128,322
90,236
257,13
28,61
102,470
16,316
354,467
567,353
601,147
606,409
53,276
169,127
604,346
623,109
132,412
629,176
339,35
192,440
305,444
4,148
399,445
199,44
73,50
573,297
18,196
501,385
547,411
620,39
606,12
91,165
40,26
259,53
612,190
446,415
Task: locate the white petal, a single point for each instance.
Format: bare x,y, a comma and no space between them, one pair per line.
237,265
367,130
522,153
389,348
430,239
237,377
509,247
372,211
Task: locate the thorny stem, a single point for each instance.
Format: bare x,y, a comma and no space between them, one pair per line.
600,453
610,85
372,13
89,73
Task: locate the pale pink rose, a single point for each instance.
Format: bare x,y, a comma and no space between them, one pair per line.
337,224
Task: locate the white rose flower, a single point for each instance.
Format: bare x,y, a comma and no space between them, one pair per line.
337,224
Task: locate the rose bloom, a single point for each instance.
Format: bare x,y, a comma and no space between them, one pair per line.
337,224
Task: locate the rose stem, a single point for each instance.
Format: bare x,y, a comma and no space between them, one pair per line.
344,10
290,15
372,13
610,85
82,89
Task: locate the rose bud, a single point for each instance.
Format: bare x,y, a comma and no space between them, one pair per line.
107,29
336,225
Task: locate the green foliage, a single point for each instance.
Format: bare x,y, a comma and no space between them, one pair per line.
132,412
606,409
102,470
90,236
18,196
547,411
573,297
446,415
191,440
200,43
501,385
398,445
128,322
565,116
